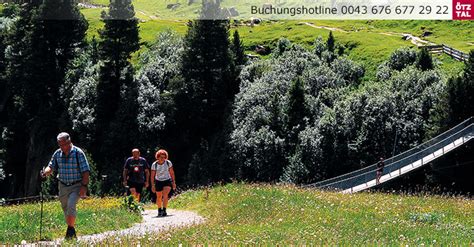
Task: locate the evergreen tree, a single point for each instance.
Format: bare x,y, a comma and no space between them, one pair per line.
296,171
461,94
238,50
17,73
455,170
331,42
424,60
469,71
205,90
3,79
43,41
296,110
116,106
119,39
239,59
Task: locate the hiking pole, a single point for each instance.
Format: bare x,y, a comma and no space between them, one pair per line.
41,200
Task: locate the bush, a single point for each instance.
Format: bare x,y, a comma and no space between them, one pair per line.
131,205
401,58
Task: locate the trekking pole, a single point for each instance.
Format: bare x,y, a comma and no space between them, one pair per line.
41,201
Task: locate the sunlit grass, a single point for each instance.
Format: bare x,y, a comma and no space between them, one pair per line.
368,39
285,215
22,222
368,45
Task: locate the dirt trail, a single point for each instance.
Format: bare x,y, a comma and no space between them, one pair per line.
413,39
151,224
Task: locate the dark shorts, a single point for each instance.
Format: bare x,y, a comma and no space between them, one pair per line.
160,184
138,186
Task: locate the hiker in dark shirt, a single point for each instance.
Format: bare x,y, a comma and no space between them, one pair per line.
136,174
380,166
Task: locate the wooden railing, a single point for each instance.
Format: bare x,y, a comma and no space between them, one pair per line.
454,53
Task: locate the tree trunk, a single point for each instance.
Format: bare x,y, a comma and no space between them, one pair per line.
40,149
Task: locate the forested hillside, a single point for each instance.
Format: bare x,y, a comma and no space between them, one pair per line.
304,112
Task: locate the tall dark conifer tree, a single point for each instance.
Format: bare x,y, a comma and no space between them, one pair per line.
461,94
43,42
239,59
331,42
424,60
296,111
116,106
205,91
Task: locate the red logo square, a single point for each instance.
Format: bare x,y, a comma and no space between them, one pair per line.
463,10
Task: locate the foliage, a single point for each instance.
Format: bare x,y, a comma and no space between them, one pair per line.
295,172
297,115
428,218
79,93
296,110
117,91
237,49
455,106
268,108
330,43
158,67
424,60
2,158
45,38
203,93
461,94
131,205
401,58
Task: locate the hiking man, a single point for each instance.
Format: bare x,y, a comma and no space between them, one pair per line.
136,174
380,166
72,167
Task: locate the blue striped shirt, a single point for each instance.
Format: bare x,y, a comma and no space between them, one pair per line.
66,166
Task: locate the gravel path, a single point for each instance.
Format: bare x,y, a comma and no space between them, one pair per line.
151,224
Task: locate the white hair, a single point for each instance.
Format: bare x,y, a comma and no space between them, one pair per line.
63,136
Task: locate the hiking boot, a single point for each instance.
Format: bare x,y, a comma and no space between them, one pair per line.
160,212
164,212
70,233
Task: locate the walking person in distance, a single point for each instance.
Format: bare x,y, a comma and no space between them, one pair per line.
136,174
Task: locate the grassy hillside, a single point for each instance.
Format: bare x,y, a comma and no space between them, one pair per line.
369,42
264,214
458,34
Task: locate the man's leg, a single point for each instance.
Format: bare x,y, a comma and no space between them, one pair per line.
71,211
138,190
63,197
135,195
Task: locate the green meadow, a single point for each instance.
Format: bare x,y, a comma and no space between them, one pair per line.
95,215
240,214
265,214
